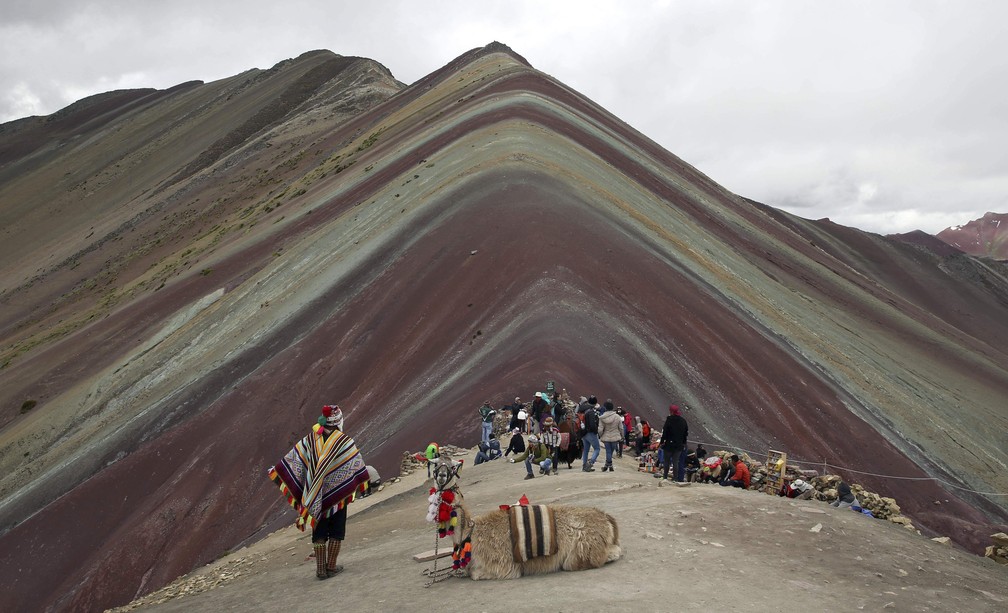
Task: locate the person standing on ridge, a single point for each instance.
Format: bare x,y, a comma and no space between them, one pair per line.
610,432
589,436
487,413
320,476
672,442
538,408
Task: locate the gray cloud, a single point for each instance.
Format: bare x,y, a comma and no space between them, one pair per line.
885,116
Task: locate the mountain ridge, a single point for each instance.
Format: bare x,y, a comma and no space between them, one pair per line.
982,237
407,252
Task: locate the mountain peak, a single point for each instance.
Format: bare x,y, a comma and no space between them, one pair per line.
189,276
986,236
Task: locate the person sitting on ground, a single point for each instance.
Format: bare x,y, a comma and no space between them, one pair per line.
488,451
710,469
845,498
538,453
739,475
799,490
517,443
693,460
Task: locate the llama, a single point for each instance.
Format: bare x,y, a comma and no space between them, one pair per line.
576,538
586,538
574,446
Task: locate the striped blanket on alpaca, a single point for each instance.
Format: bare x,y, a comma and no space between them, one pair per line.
533,532
320,476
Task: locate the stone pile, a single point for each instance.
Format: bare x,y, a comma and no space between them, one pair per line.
414,461
999,550
881,507
825,486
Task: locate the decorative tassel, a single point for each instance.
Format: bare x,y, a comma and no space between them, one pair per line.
462,554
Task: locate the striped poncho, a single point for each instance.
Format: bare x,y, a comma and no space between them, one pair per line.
320,476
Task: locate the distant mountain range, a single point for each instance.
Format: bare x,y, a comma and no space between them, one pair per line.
190,274
984,237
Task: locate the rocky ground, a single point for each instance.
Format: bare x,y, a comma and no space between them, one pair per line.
692,547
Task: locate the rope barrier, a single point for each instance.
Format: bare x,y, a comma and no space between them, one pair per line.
824,464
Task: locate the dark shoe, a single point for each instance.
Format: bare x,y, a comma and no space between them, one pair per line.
529,476
332,572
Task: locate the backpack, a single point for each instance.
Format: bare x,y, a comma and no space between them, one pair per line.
646,430
591,421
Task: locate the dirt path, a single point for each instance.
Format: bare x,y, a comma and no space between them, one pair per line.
700,547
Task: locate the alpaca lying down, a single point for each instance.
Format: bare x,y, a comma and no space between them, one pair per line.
585,538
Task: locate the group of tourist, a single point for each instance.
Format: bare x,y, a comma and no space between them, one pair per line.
555,425
594,426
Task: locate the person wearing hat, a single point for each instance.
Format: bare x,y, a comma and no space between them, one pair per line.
537,452
320,476
845,498
487,413
672,442
517,421
799,490
551,438
539,406
488,451
693,461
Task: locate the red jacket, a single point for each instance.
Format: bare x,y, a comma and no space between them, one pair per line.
742,473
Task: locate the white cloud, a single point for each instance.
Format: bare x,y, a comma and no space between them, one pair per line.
796,105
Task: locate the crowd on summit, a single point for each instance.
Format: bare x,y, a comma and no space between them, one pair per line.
553,429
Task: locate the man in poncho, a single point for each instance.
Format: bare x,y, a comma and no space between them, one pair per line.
322,474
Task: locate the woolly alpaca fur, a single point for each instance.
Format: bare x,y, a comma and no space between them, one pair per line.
587,538
574,450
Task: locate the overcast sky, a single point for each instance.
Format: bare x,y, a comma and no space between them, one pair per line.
887,116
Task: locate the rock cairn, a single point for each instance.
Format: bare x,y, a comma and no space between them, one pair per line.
825,486
999,550
413,461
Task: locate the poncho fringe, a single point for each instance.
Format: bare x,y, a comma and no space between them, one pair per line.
320,476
